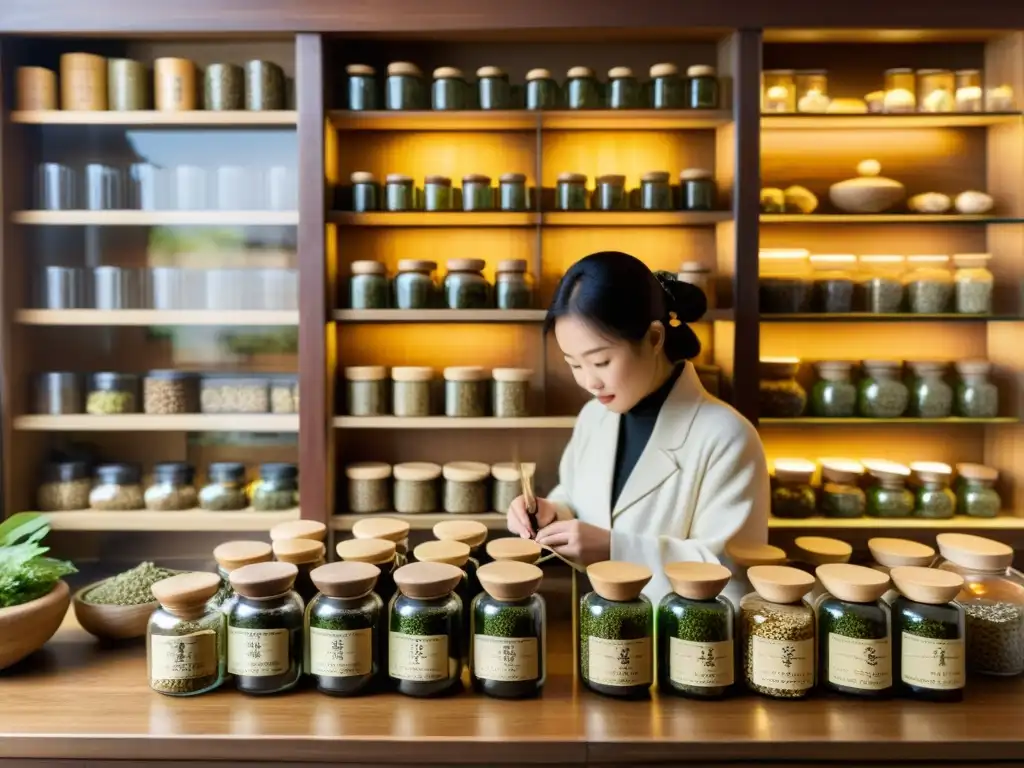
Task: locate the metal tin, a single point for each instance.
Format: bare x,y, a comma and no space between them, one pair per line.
365,192
225,88
58,392
54,188
264,86
581,89
698,190
83,82
701,87
399,193
477,194
623,89
63,288
437,193
610,193
174,84
542,90
512,192
35,88
404,88
117,288
102,188
127,85
668,91
571,192
449,91
493,89
655,191
362,87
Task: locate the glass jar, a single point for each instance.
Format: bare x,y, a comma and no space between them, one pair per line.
655,191
277,489
234,394
494,91
976,396
366,390
465,487
118,488
65,487
511,394
232,555
342,628
698,191
881,394
265,620
513,286
667,88
623,89
306,555
841,495
778,91
934,499
812,91
930,396
701,87
455,553
169,392
887,493
173,488
993,601
369,487
404,88
512,192
186,638
399,193
506,487
784,281
362,87
936,89
509,632
368,286
542,91
581,89
465,286
854,631
973,284
780,394
225,488
696,657
834,277
410,390
881,284
437,193
57,393
929,284
449,90
112,393
793,495
425,622
976,495
366,195
699,276
414,284
571,192
616,625
610,193
477,193
968,94
900,90
1000,99
381,553
416,487
465,391
834,395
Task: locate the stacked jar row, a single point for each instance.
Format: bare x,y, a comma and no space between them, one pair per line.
69,486
881,393
469,391
697,191
400,193
463,287
792,281
879,488
406,89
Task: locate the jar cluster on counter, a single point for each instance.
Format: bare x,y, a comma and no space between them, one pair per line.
696,190
399,193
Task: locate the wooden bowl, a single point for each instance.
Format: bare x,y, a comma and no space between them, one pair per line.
25,628
112,622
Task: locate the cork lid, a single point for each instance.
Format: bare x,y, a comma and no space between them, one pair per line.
427,580
381,527
512,178
412,373
572,177
853,583
346,579
368,268
360,69
931,471
693,174
834,370
299,551
469,532
700,70
186,592
974,552
538,74
512,374
921,367
442,73
476,178
977,472
616,72
794,470
465,373
893,553
818,550
747,555
404,68
973,367
618,580
490,71
466,265
417,471
506,471
575,72
513,548
366,373
234,554
263,579
664,70
841,470
615,179
375,551
660,177
926,585
510,580
299,529
442,181
398,178
368,470
416,265
886,470
780,583
362,177
697,581
882,365
451,552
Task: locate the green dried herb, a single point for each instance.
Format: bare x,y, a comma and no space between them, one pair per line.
694,621
611,621
133,587
25,575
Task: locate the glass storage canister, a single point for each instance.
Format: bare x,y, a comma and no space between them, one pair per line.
929,634
834,395
930,396
508,484
623,89
306,555
514,548
777,632
936,89
973,283
934,498
778,91
493,89
416,487
616,625
667,89
1000,99
425,630
437,193
542,91
277,489
698,191
780,394
976,495
57,393
366,390
841,495
465,487
410,390
465,391
701,87
368,286
265,621
890,553
224,87
968,95
118,488
610,193
887,492
173,487
582,90
264,85
399,193
454,553
169,392
186,637
225,488
404,88
362,87
65,487
369,487
812,90
992,598
793,496
509,632
571,192
511,393
880,393
112,393
477,193
854,631
449,90
512,195
366,192
929,285
234,394
881,283
832,287
414,284
232,555
465,286
900,91
513,286
784,281
696,657
976,396
655,191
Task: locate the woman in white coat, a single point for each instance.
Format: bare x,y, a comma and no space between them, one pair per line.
657,470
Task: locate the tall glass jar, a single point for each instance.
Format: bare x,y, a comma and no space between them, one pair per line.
900,91
542,91
232,555
841,494
416,487
616,630
697,190
581,89
186,637
172,489
968,94
701,87
929,285
973,284
784,281
571,192
834,395
507,485
369,487
510,397
65,486
887,492
465,391
610,193
410,390
781,396
404,88
623,90
414,284
976,495
493,89
455,553
366,390
512,193
362,87
881,394
225,487
366,192
465,487
667,89
976,396
934,499
399,193
306,555
277,488
778,91
656,191
449,90
437,193
513,286
793,496
812,90
881,284
936,90
465,286
834,278
368,286
477,193
930,396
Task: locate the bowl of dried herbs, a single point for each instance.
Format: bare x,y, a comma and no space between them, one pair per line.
119,608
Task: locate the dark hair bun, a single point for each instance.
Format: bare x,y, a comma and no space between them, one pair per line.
685,299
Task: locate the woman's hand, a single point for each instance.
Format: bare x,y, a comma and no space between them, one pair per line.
580,542
519,520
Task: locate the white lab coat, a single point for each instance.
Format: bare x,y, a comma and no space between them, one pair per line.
701,481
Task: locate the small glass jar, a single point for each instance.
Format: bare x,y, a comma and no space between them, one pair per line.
510,397
571,192
697,190
362,87
976,495
812,91
610,193
399,193
780,394
834,278
900,91
623,89
513,286
232,555
582,90
512,192
368,286
668,90
277,489
930,396
118,488
936,90
57,393
225,488
507,486
881,284
168,392
455,553
369,487
887,493
410,390
404,88
542,91
306,555
934,499
701,87
465,391
265,621
416,487
186,637
366,195
437,193
449,91
793,496
112,393
973,284
465,487
929,284
493,89
976,396
173,488
778,91
655,191
880,393
465,286
366,390
65,487
477,193
784,282
699,276
834,395
425,622
841,495
1000,99
616,625
234,394
968,96
414,284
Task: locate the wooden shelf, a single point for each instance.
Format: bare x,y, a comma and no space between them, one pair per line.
526,120
145,317
635,218
634,119
960,522
435,219
195,118
869,121
896,317
191,520
493,520
884,218
140,422
157,218
446,422
470,315
813,421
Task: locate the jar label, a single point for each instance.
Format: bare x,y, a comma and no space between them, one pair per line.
418,658
933,663
258,652
340,653
184,657
704,665
856,663
505,659
619,662
787,665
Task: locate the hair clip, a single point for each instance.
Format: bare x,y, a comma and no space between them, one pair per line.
673,320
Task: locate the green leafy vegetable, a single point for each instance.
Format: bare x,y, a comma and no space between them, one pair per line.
25,574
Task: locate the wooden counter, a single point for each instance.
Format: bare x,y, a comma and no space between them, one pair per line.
77,701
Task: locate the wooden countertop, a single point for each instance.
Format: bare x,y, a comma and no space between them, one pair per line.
79,700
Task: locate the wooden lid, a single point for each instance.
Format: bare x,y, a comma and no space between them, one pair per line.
366,373
973,367
747,555
346,579
417,471
615,179
926,585
466,265
448,72
579,72
694,174
573,178
977,472
375,551
360,69
618,580
404,68
513,548
818,550
476,178
490,72
299,551
974,552
362,177
368,470
510,580
921,367
443,181
416,265
841,470
512,374
512,178
469,532
834,370
381,527
886,470
697,581
427,580
465,373
398,178
882,365
656,176
853,583
506,471
263,579
780,583
663,70
617,72
412,373
368,268
700,70
538,74
234,554
451,552
186,592
900,552
931,471
794,470
299,529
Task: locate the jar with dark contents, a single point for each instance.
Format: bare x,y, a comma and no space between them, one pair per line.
57,393
623,89
571,192
368,286
512,195
366,390
833,281
582,90
513,286
437,193
65,487
542,91
173,488
369,487
224,87
469,532
976,396
225,488
477,193
465,286
306,555
976,495
881,394
414,284
450,90
784,281
379,552
834,395
465,391
399,193
929,285
493,89
455,553
930,396
934,498
655,191
974,283
698,191
781,396
701,87
411,390
264,86
232,555
362,87
507,485
465,487
510,396
888,553
404,88
416,487
881,284
112,393
277,489
366,193
887,493
118,488
667,89
610,193
793,496
841,495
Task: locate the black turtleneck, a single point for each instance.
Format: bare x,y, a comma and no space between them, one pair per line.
635,428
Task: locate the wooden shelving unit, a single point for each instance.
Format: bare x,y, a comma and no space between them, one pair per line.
197,520
138,422
900,317
886,218
952,421
522,120
146,117
146,317
877,525
882,121
157,218
471,315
